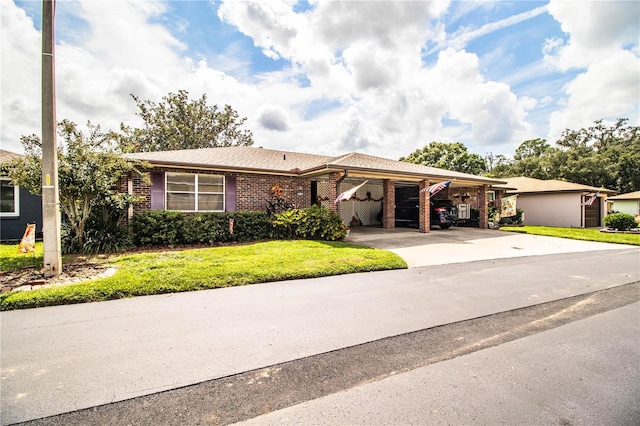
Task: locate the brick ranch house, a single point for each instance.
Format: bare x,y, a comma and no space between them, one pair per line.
242,178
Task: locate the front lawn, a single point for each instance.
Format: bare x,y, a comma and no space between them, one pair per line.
149,273
10,258
577,234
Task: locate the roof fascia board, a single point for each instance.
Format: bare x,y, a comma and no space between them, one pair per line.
221,169
385,174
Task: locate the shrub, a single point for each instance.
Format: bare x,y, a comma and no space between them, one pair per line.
320,223
620,221
285,224
158,227
312,223
206,228
250,226
162,227
108,238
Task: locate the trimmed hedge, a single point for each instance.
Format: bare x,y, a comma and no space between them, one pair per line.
170,228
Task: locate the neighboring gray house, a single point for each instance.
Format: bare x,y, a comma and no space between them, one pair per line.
626,203
18,207
558,203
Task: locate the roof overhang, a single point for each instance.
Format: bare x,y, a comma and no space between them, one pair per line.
208,167
365,173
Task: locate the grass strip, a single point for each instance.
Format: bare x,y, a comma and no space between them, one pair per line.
577,234
10,259
140,274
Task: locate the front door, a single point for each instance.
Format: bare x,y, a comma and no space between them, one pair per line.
592,217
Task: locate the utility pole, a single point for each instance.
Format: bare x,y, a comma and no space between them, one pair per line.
50,197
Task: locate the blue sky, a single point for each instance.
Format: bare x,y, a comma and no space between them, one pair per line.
382,77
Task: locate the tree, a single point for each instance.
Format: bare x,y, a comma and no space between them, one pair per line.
532,148
602,156
449,156
180,123
498,165
89,168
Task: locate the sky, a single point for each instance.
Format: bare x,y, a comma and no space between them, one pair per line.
378,77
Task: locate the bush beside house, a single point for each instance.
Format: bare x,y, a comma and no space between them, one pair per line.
170,228
620,221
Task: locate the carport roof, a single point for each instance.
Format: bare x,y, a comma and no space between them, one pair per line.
269,161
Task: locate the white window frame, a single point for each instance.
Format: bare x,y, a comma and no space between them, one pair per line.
16,200
196,193
491,196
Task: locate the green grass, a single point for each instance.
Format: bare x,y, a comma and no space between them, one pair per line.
10,259
141,274
577,234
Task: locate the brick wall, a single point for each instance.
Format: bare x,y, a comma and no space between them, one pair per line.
333,190
482,206
253,190
389,204
424,214
142,189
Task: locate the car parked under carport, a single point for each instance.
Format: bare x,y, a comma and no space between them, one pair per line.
443,213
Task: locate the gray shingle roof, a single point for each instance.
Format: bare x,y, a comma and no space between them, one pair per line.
531,185
7,156
237,157
288,162
628,196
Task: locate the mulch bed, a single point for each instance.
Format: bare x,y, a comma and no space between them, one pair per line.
31,278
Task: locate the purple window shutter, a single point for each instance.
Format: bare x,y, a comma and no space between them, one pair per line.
230,192
157,191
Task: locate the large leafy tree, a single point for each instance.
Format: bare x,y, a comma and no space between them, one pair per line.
600,155
180,123
533,158
449,156
89,169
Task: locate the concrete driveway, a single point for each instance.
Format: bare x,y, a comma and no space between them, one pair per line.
457,245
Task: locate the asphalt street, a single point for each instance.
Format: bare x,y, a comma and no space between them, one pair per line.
59,359
584,373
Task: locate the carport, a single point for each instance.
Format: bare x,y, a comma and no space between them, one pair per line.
389,182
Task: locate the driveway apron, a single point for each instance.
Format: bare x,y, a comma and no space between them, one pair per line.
458,245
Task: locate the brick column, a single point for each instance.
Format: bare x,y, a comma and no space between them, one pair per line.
424,212
482,206
389,204
333,191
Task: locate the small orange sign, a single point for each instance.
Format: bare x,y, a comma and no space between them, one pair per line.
28,242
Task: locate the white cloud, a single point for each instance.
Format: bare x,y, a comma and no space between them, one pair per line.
367,55
603,44
365,85
21,69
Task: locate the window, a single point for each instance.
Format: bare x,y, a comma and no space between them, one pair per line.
491,196
191,192
9,199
